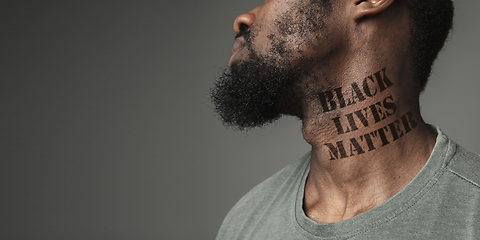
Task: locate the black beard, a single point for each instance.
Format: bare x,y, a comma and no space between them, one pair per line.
259,90
254,92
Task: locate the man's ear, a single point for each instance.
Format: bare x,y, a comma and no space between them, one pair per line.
365,8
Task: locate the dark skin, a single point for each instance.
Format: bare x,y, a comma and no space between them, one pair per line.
359,39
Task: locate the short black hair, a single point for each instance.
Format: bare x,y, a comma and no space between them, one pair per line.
431,22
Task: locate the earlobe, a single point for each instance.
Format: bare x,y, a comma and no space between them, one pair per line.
365,8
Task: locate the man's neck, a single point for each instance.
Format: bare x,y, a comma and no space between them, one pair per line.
368,142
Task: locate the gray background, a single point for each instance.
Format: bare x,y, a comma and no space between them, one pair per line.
106,127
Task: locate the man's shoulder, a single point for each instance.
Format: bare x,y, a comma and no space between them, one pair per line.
267,201
466,165
286,178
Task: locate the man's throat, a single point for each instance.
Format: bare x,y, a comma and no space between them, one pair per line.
362,117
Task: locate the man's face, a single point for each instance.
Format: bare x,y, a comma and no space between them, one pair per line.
283,30
273,51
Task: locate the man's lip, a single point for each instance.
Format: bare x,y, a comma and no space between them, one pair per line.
238,45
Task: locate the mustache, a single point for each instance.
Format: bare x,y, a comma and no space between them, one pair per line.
244,31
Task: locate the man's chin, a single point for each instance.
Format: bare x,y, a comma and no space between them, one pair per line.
243,103
249,93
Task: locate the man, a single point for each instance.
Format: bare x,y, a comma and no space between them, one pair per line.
352,71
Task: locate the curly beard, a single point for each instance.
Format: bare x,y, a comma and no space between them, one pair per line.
257,91
254,93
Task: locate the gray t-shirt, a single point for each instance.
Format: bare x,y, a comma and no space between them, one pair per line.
441,202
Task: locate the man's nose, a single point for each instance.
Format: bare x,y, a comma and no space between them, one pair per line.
244,20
